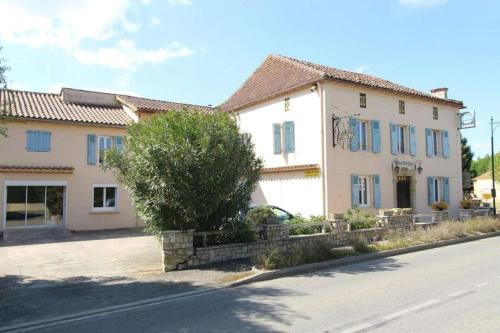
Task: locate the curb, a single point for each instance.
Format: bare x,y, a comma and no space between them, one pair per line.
263,275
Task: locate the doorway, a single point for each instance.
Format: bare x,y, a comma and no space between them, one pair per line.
403,192
34,205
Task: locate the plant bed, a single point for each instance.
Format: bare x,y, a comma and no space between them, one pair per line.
394,240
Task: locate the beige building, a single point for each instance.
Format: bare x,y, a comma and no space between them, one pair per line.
50,174
483,185
333,139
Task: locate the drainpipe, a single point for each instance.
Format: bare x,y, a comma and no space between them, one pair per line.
323,148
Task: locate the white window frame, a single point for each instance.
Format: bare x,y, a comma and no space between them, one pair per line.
437,144
34,183
105,209
366,133
364,191
437,184
403,140
106,137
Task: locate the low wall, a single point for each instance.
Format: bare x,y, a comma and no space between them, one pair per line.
180,253
467,214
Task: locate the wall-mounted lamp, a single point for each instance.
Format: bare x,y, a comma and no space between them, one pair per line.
418,166
395,166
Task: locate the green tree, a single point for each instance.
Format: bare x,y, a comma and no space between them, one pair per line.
3,84
467,171
483,165
186,170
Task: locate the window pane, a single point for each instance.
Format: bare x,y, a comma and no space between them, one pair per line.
110,196
35,209
16,206
55,205
98,197
362,129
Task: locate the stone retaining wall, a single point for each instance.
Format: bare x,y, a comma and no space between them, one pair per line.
180,253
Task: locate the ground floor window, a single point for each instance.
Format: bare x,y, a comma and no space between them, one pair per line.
363,191
34,205
104,197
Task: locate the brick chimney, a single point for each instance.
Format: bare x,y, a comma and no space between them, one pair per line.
440,92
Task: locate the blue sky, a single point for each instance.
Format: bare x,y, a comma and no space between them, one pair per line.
200,51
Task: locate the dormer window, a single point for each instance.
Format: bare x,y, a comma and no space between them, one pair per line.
401,107
435,113
287,104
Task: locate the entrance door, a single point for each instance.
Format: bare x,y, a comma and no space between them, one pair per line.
403,192
31,206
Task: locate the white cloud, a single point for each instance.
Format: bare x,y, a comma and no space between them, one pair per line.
61,24
422,3
146,2
175,3
130,26
154,22
362,69
125,55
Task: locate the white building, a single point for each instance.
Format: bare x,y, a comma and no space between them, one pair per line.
404,151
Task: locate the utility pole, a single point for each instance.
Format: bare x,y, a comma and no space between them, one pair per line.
494,126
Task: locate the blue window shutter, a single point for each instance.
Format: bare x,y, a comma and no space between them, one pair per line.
118,143
413,141
376,136
430,190
429,142
91,149
277,138
446,189
44,139
377,202
394,139
446,144
289,128
32,140
354,190
353,125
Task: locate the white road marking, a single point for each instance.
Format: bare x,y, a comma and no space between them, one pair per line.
415,308
458,293
360,327
482,284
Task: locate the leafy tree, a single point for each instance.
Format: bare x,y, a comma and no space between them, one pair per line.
483,165
3,84
467,171
187,170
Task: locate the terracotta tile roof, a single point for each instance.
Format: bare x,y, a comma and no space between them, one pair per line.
288,168
153,105
279,74
45,106
36,169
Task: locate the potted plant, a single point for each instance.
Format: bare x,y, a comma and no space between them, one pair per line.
440,211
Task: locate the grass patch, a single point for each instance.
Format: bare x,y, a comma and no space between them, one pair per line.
322,251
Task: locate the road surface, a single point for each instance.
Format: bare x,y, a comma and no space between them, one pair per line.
449,289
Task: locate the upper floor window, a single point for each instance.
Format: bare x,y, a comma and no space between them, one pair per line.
435,113
402,139
363,135
438,143
287,104
401,107
105,143
38,141
362,100
284,137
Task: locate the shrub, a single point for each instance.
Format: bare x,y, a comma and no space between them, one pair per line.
261,216
439,206
360,245
186,170
363,224
359,219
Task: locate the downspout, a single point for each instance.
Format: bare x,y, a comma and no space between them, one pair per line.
323,149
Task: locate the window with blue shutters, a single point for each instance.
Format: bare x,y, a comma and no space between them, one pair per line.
413,141
289,131
91,149
376,144
394,139
377,200
277,138
38,141
438,189
437,143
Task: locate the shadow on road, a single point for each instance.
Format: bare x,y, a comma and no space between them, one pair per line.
23,300
385,264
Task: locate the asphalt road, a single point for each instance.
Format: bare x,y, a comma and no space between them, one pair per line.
449,289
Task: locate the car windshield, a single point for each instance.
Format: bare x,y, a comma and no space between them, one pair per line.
281,214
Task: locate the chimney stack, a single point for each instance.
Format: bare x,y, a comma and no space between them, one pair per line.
440,92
